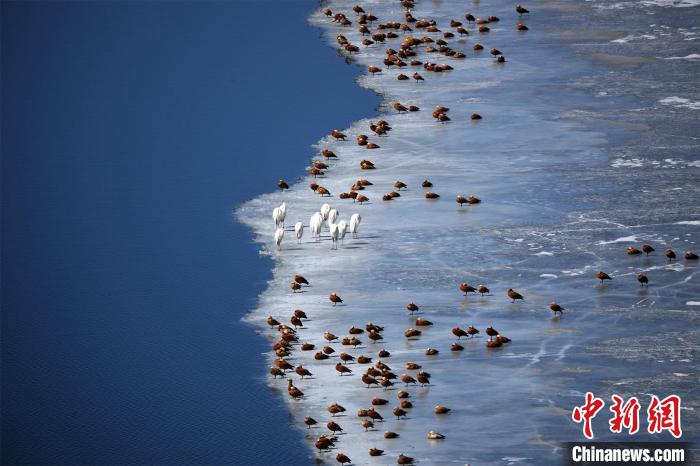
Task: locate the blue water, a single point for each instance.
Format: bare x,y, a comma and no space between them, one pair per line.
130,130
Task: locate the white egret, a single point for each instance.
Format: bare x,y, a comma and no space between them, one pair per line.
315,224
342,229
333,227
299,230
332,216
279,234
325,209
355,221
283,212
277,216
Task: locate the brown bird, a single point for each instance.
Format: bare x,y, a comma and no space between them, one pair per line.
338,135
469,17
456,347
375,337
413,108
482,290
300,279
431,195
603,276
691,256
272,322
372,145
295,287
642,279
386,383
276,371
329,154
403,395
372,414
632,251
398,412
514,295
296,321
366,379
309,421
328,336
431,352
399,108
300,314
417,77
379,401
363,359
493,19
477,47
502,339
522,27
355,331
284,365
426,184
405,378
475,116
319,356
323,191
357,9
473,200
491,332
342,369
459,333
466,288
375,452
345,357
282,185
423,322
461,200
373,69
293,391
334,427
367,424
557,308
323,444
307,346
389,434
423,378
303,372
342,458
412,307
441,410
412,332
335,408
320,166
335,299
670,254
521,10
405,404
399,185
471,330
412,366
402,77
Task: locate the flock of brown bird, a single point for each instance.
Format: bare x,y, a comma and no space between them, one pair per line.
379,374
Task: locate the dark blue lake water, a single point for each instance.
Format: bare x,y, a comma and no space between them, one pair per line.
130,130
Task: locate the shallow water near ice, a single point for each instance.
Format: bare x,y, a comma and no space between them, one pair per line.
577,157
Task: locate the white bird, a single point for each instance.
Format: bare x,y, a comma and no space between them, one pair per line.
277,216
332,217
283,212
342,229
355,221
299,230
315,224
279,234
325,210
333,227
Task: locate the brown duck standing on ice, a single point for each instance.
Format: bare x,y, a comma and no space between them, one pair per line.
334,427
375,452
335,299
466,288
272,322
342,458
461,200
342,369
521,10
335,408
602,276
482,290
642,279
369,380
276,371
399,108
514,295
282,185
423,378
405,378
491,332
670,254
301,280
412,307
403,459
459,333
557,308
303,372
309,421
329,154
471,330
295,287
338,135
398,412
441,409
691,256
294,392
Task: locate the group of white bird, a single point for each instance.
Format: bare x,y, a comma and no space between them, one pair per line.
327,214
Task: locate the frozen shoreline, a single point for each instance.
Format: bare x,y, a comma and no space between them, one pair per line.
537,231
